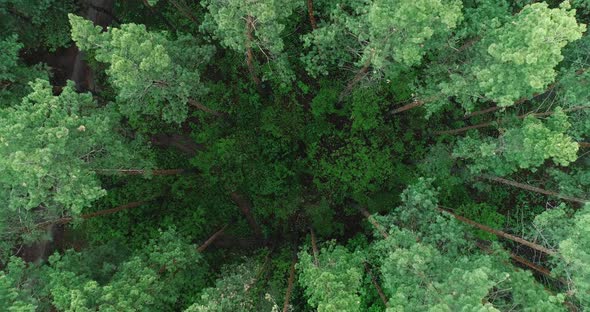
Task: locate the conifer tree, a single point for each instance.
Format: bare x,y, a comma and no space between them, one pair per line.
154,76
49,146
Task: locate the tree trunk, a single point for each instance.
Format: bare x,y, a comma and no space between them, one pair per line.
184,11
100,13
376,285
246,208
417,103
212,239
358,77
489,123
156,172
314,249
290,285
511,237
91,215
311,17
406,107
375,224
204,108
249,52
181,142
520,260
533,189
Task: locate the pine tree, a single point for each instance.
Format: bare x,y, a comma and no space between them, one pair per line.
50,146
155,76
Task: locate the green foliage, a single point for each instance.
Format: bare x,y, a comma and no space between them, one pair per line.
355,165
291,153
334,284
39,23
156,278
511,61
524,52
229,20
232,291
524,147
485,214
15,287
49,146
570,234
402,31
432,267
385,33
155,76
14,76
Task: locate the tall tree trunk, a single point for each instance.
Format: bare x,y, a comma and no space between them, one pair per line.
204,108
376,285
415,103
249,52
357,78
314,248
490,123
211,239
511,237
183,143
184,11
246,208
156,172
533,189
290,284
311,16
372,220
91,215
100,12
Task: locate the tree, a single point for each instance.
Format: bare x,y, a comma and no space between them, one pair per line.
380,34
567,231
511,61
50,146
523,147
245,27
437,152
155,76
333,284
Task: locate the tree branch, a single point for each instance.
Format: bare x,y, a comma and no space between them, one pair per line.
533,189
511,237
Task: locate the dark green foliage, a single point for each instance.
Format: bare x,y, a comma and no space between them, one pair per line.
300,134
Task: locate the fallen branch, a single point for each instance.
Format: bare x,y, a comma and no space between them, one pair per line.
533,188
511,237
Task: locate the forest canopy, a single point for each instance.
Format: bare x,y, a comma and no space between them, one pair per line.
310,155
